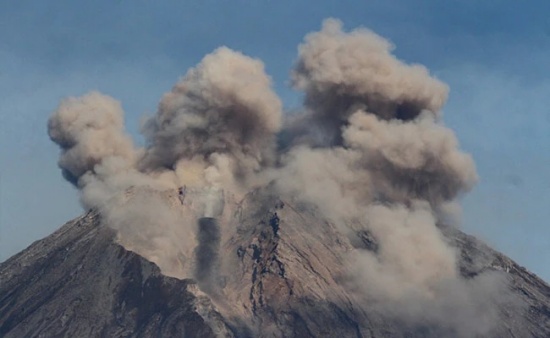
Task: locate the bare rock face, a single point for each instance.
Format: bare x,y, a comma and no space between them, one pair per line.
291,265
79,283
280,276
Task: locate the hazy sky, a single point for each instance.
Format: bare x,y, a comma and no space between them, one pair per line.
493,54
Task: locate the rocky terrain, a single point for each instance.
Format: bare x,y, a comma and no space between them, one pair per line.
283,278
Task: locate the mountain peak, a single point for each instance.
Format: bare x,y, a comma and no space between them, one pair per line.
282,272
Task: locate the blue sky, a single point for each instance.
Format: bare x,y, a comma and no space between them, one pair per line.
493,54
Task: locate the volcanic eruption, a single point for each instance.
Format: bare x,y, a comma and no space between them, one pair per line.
322,223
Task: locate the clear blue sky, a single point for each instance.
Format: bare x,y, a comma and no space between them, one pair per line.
493,54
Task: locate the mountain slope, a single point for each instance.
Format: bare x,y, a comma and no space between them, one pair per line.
281,276
79,283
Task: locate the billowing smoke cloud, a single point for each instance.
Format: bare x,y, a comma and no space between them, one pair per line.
216,127
223,112
373,123
413,276
370,153
412,258
340,72
89,130
148,223
416,159
96,154
367,151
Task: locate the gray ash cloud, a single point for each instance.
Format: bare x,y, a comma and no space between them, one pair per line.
367,147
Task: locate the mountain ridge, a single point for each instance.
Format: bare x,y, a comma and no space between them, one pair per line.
74,236
285,285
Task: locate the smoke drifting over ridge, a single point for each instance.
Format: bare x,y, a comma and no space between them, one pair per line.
367,151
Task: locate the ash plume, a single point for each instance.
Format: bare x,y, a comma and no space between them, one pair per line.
146,223
340,72
89,130
223,112
368,151
370,154
417,159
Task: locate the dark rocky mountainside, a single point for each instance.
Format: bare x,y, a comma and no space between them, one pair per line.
78,282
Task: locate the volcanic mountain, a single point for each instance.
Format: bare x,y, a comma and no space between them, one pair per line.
286,280
238,219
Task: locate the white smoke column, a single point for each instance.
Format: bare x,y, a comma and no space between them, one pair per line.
340,72
213,202
224,107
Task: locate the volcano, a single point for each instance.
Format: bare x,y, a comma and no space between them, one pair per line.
238,219
285,280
